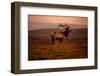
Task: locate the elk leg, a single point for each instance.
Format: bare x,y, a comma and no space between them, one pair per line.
53,40
60,41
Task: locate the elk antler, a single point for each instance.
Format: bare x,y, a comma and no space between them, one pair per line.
66,25
60,25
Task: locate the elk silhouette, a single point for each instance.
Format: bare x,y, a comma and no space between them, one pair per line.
60,35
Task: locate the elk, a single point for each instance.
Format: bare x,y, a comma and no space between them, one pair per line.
59,36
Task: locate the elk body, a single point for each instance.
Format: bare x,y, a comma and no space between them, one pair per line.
59,36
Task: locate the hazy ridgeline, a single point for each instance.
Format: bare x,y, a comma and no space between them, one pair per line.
44,35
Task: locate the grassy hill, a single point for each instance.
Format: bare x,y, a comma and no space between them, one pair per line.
40,47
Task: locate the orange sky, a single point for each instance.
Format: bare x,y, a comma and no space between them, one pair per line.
42,22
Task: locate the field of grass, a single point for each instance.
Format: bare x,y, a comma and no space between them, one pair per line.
40,47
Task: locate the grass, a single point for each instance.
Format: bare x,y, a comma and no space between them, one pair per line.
71,49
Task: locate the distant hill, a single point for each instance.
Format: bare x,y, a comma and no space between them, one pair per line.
75,33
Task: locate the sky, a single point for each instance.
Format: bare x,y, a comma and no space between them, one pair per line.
36,22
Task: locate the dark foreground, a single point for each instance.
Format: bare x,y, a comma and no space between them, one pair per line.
69,50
